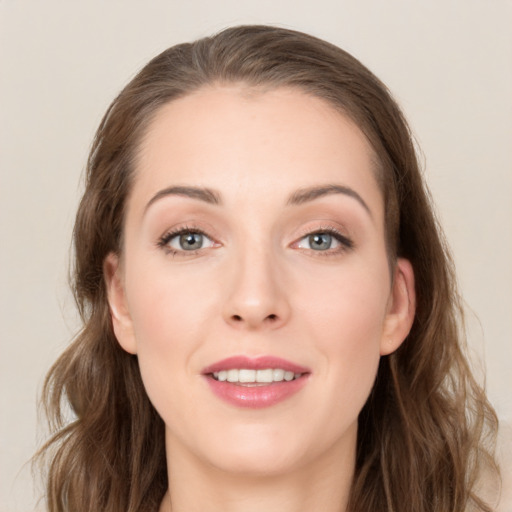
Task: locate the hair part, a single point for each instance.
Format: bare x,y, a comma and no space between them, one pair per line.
421,433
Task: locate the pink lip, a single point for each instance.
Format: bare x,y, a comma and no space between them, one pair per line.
256,396
258,363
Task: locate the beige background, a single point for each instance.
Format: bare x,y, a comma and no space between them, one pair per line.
448,62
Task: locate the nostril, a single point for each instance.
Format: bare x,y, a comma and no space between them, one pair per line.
238,318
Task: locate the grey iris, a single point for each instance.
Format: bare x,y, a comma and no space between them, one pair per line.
320,241
191,241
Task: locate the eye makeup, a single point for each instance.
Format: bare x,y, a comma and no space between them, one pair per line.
324,241
195,238
188,240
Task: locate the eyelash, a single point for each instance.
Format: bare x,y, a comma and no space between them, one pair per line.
163,241
346,243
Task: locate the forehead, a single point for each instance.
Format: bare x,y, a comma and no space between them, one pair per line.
225,135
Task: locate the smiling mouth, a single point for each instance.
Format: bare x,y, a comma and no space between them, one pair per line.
252,378
247,382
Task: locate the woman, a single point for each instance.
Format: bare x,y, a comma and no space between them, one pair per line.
271,319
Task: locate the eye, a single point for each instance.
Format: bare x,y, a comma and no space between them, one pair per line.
186,240
325,241
318,242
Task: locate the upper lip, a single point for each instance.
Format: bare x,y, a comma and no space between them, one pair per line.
254,363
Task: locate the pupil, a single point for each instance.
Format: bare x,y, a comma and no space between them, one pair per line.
191,241
321,241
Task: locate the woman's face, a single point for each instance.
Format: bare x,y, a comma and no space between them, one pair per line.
254,241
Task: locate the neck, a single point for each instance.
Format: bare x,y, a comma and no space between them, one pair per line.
323,484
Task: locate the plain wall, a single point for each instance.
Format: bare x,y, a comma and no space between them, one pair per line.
448,62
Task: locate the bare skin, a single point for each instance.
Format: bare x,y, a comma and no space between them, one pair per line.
279,195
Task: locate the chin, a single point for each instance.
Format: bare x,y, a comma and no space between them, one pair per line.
252,450
259,450
258,463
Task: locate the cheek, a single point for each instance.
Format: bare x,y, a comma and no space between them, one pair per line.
350,306
168,314
166,307
346,320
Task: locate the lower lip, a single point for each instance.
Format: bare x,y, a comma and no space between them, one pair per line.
256,397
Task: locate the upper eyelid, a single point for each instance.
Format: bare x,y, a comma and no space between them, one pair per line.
164,240
340,233
344,239
324,228
189,227
174,234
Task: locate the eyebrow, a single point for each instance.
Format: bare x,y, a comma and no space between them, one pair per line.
202,194
301,196
305,195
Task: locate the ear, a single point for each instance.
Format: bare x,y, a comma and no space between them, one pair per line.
401,308
121,320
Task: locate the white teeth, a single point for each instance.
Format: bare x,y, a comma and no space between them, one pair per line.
232,376
278,375
246,376
264,375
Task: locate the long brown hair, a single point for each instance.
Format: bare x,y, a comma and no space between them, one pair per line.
422,431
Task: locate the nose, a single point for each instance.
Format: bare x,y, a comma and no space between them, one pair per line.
257,297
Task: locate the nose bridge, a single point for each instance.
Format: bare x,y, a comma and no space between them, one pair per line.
256,296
